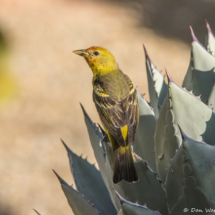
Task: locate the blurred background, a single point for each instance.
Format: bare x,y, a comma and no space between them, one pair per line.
42,81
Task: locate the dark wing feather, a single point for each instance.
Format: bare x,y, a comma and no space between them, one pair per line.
116,114
133,111
133,116
111,114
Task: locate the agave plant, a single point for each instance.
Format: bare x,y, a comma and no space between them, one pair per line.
174,151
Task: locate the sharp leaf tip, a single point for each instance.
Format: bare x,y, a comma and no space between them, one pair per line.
146,53
168,76
208,26
193,35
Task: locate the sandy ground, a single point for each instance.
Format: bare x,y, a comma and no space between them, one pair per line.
52,81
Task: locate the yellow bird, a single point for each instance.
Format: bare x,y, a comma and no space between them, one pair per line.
116,102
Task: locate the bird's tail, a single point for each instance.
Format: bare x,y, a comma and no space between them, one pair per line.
124,165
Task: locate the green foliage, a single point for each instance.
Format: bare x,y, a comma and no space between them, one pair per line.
185,164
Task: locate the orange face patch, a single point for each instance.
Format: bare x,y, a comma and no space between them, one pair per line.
100,60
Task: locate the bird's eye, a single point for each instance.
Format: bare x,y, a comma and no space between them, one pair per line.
96,53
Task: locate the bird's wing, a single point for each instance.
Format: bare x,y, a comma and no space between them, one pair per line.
133,116
132,111
116,115
111,113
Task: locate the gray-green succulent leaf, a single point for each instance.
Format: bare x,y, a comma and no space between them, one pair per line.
156,85
211,100
89,181
143,190
201,74
144,138
97,143
77,201
195,118
96,138
167,138
129,208
190,178
210,40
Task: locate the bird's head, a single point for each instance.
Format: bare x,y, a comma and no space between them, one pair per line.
99,59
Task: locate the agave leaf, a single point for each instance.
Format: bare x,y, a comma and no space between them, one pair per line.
96,138
79,204
187,83
202,83
109,171
144,190
167,138
211,100
193,116
36,212
89,181
200,75
129,208
144,138
210,40
190,178
202,59
156,84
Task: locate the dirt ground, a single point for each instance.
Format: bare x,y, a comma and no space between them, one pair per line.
51,81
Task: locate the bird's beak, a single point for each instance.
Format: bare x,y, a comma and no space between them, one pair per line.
81,52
